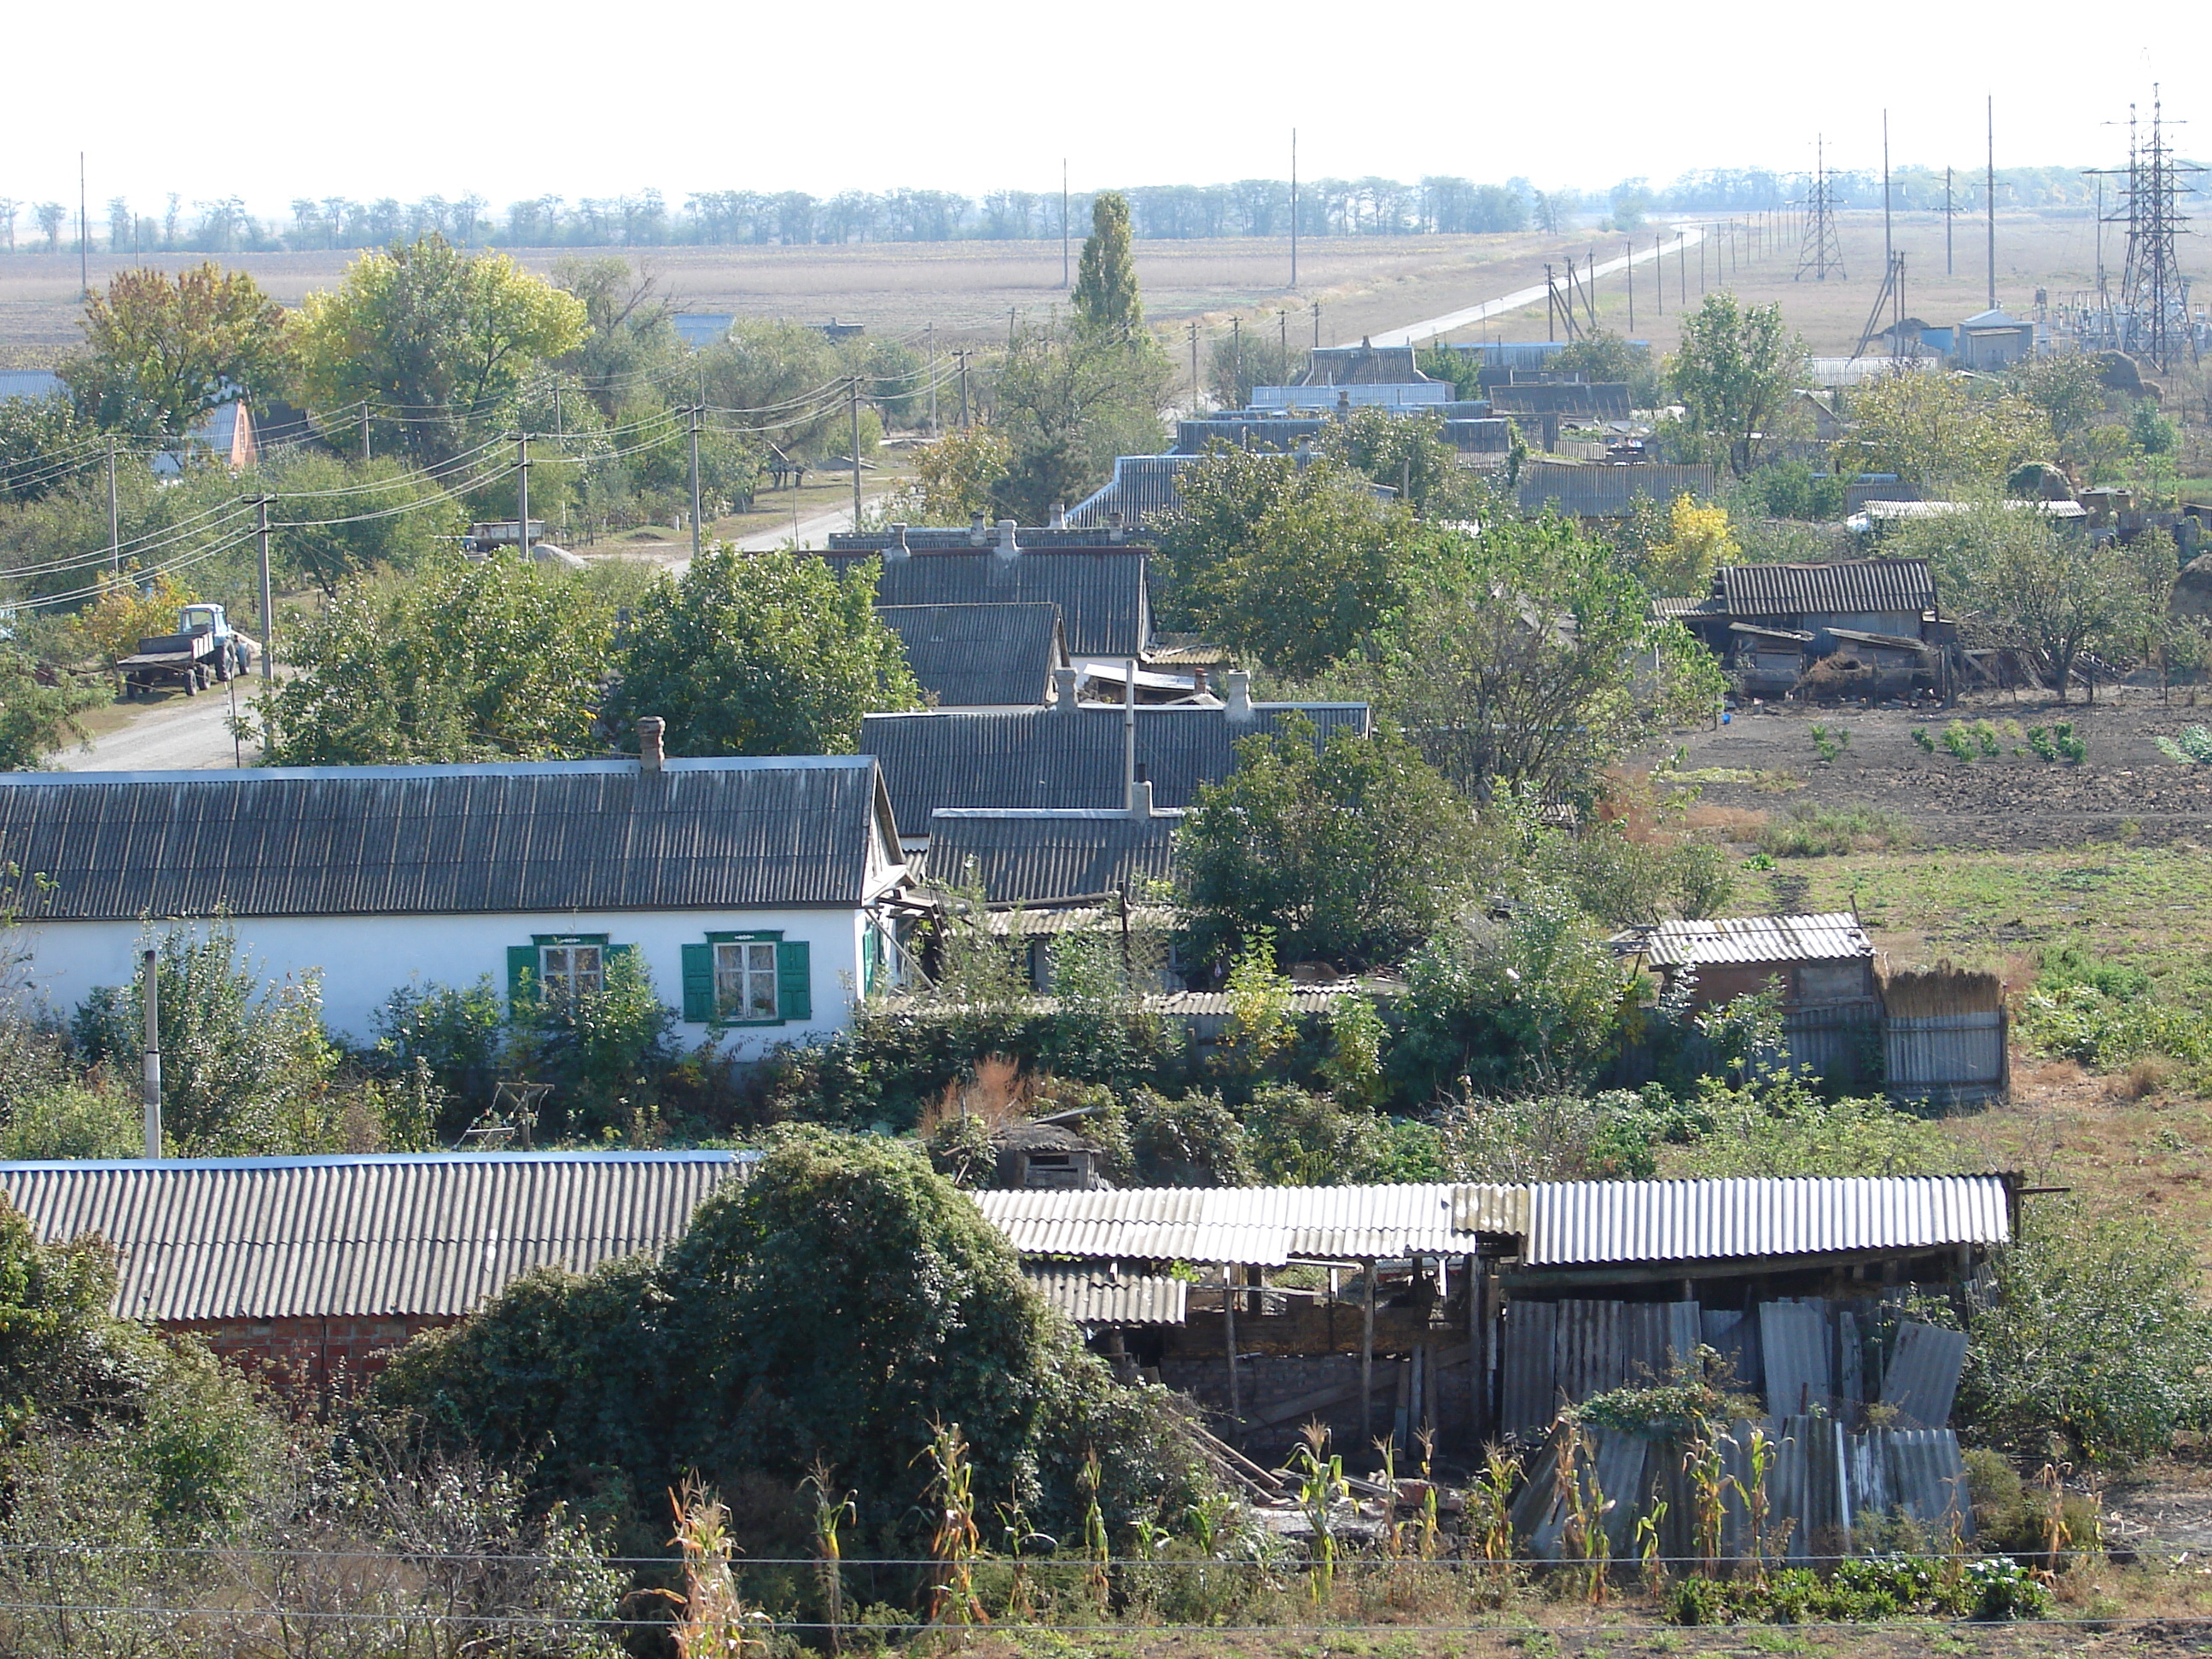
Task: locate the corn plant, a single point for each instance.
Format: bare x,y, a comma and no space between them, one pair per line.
1920,737
1706,1465
1428,1535
1648,1544
1489,1502
1098,1574
2057,1534
1760,1453
1829,742
713,1621
1321,1486
1014,1527
1393,1533
955,1541
1584,1504
830,1515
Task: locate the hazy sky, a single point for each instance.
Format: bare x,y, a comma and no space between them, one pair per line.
407,98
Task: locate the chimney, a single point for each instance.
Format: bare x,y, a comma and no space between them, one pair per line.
1198,681
1114,525
976,534
1238,704
1059,520
1130,769
650,754
1008,547
1064,680
897,548
1140,796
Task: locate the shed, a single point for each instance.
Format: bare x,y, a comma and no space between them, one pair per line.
1052,855
1048,1156
1815,961
1099,590
1895,597
321,1266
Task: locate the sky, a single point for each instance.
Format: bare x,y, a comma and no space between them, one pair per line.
410,98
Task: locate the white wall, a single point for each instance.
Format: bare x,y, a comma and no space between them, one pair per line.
363,959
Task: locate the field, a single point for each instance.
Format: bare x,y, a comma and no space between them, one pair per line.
968,289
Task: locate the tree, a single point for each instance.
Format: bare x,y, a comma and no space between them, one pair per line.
160,352
464,661
391,517
43,443
2057,594
1941,430
434,343
1604,357
1067,400
1528,665
1106,298
629,330
957,474
129,609
770,653
838,1307
1294,565
1405,453
1733,374
1353,852
38,707
1697,542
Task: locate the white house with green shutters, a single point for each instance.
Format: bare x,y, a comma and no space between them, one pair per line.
759,894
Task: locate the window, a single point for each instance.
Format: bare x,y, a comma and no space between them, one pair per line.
748,979
745,981
571,970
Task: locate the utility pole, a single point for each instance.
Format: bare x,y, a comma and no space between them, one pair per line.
1682,267
114,516
1316,316
1283,340
1294,209
1628,270
522,494
695,502
962,355
1949,209
1236,352
150,1086
1990,193
1066,270
1194,368
929,333
83,235
364,429
1888,238
856,451
268,604
1659,269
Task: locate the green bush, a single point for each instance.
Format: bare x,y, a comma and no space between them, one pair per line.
603,1050
1776,1127
1811,831
2094,1344
456,1033
1612,1136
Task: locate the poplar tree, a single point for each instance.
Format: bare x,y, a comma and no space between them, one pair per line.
1106,299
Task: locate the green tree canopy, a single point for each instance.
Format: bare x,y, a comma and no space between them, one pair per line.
837,1306
39,706
1067,400
1106,297
1734,373
463,661
159,351
1528,663
1352,852
1941,429
434,341
629,334
770,653
1294,565
1406,454
44,443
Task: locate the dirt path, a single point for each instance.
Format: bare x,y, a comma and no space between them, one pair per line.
180,733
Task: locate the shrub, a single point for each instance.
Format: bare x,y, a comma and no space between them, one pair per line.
602,1049
2093,1340
1776,1127
1607,1137
1811,831
455,1032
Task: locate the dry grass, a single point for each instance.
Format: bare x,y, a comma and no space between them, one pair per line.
996,1093
1737,824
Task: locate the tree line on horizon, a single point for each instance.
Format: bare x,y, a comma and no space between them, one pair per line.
1437,204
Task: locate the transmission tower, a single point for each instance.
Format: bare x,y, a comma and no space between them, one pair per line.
2152,318
1823,252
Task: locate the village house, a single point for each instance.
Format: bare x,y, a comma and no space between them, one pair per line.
981,658
1087,756
759,893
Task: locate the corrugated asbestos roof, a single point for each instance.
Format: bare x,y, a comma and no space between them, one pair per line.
1834,936
1036,857
346,1238
1582,1223
1849,586
1599,492
1100,591
442,839
1090,1297
965,654
1266,1225
1058,757
1143,487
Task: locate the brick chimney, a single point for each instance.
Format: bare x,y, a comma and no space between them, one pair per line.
1059,519
651,756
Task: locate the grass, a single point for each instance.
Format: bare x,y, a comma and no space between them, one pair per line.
1811,831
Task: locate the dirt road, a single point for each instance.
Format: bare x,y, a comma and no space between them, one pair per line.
179,734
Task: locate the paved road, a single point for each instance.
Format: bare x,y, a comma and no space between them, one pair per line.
1419,333
180,734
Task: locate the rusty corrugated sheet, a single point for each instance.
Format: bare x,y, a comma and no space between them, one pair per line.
1828,937
440,840
1855,587
342,1237
1585,1222
1262,1225
1090,1297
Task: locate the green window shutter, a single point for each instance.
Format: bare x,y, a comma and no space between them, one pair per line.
613,950
794,981
521,973
699,984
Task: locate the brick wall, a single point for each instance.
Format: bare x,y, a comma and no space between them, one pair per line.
312,1353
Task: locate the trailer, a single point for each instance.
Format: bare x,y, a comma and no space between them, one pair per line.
203,651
